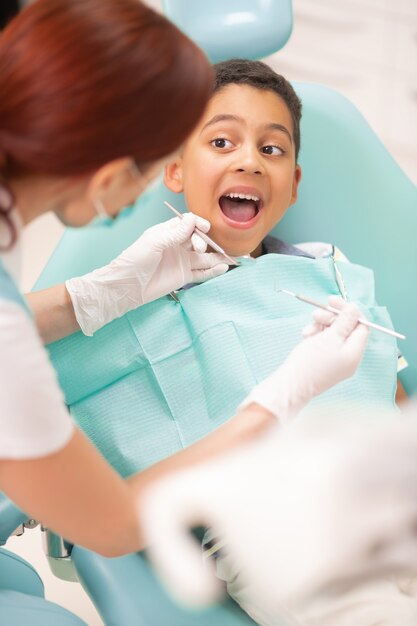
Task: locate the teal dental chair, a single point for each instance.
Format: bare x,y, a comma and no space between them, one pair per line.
346,197
352,194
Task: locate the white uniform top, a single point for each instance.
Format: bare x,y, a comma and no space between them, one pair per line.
34,420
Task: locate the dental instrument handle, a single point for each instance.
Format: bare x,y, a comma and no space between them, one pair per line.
216,247
205,237
332,309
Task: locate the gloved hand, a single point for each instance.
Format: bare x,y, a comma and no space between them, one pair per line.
331,352
166,257
316,508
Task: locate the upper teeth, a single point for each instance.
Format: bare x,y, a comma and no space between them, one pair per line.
242,196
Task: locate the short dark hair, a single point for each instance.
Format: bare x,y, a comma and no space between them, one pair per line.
8,9
261,76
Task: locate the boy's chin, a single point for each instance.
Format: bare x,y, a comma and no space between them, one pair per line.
237,246
238,251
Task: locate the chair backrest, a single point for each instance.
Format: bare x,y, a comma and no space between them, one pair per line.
249,28
355,195
352,194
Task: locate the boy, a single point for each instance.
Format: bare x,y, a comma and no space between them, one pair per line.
239,170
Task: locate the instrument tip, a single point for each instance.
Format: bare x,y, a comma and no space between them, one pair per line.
290,293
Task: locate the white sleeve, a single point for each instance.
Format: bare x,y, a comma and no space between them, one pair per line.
34,420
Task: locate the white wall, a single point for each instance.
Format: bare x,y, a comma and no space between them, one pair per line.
367,49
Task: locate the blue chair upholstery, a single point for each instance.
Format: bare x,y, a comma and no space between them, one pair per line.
355,195
250,28
22,596
16,574
18,609
126,591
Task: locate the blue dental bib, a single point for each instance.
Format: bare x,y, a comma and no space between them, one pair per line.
168,373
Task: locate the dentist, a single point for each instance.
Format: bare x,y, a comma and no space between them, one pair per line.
93,96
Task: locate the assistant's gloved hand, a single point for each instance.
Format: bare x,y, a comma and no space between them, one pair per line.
320,507
166,257
331,352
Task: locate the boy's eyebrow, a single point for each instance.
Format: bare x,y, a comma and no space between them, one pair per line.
280,127
222,117
227,117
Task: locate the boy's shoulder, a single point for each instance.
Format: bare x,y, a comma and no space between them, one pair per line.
309,249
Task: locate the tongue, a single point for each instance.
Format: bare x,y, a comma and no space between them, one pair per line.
238,210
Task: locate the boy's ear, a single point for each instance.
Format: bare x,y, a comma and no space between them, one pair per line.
173,175
296,182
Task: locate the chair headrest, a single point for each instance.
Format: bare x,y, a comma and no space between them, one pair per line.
251,29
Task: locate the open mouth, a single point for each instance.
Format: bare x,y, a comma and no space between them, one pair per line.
240,207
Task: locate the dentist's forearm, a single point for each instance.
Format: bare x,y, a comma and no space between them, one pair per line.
76,493
54,313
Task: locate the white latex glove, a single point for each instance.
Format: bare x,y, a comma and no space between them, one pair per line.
317,508
166,257
331,352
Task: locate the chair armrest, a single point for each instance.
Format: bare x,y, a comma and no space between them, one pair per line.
17,574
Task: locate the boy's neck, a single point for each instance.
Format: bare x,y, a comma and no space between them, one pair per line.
257,252
254,254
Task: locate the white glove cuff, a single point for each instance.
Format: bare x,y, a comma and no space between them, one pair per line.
85,309
276,395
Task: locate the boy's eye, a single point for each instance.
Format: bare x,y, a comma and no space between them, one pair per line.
220,142
273,150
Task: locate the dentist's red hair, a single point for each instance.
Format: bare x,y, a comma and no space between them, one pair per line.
83,82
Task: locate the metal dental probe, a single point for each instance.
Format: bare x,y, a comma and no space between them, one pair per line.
332,309
205,237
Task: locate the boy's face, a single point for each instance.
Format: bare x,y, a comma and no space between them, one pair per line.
238,167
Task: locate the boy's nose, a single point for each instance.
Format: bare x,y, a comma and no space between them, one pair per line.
249,161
